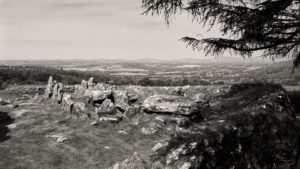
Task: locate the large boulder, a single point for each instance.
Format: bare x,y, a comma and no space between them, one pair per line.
79,90
120,99
133,115
88,93
132,96
67,102
98,95
170,104
106,107
100,86
79,108
131,112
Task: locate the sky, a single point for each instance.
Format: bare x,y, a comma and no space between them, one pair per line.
91,29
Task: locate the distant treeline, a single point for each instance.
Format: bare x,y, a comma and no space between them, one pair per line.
10,75
20,75
176,82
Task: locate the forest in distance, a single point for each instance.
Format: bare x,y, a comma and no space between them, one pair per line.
179,73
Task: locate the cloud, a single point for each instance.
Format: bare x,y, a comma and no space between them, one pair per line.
82,28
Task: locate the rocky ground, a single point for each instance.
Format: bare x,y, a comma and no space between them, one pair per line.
101,126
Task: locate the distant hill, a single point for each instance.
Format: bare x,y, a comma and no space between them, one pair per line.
212,60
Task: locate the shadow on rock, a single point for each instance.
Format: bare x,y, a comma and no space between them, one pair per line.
5,120
295,99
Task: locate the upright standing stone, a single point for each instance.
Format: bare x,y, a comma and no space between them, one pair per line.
55,92
84,84
60,87
60,92
54,82
91,82
48,90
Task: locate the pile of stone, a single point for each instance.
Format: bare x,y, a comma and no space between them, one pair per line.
111,103
243,126
114,103
250,126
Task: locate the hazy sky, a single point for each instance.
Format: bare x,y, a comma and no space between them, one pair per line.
90,29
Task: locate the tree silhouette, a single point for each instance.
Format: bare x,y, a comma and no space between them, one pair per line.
270,26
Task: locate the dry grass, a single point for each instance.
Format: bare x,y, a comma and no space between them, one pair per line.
86,147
